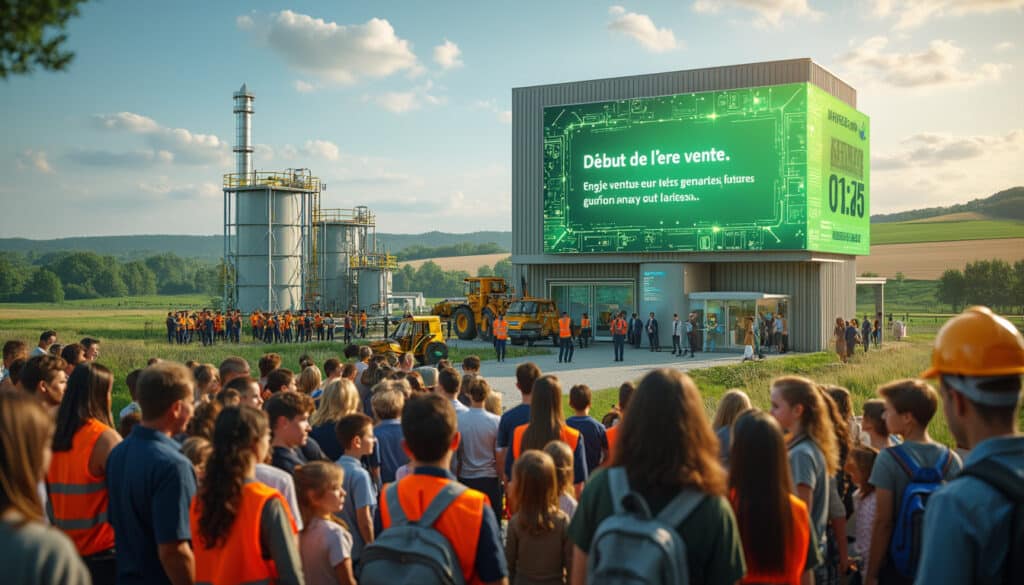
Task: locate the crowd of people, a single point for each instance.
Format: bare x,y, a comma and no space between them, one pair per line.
208,326
849,334
381,472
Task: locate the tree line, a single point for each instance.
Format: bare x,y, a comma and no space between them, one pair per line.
59,276
995,283
418,252
433,281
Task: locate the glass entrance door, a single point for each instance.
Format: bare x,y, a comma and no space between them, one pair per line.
600,301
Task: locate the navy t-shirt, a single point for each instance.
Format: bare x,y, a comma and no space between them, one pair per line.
328,440
519,415
593,437
151,485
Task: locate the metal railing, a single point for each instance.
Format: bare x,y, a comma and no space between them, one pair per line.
357,216
290,180
373,260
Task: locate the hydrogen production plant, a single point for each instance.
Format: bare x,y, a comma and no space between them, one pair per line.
282,251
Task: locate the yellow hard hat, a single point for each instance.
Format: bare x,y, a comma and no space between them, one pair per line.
977,342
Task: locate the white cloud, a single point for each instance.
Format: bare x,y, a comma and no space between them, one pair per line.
448,55
400,102
244,22
501,114
642,29
163,188
505,116
941,64
34,160
304,86
166,144
911,14
930,149
324,149
770,13
1005,46
338,52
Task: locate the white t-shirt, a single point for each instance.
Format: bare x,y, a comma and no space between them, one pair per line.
281,481
323,545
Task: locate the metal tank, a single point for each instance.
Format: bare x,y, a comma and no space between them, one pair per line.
269,260
371,288
339,240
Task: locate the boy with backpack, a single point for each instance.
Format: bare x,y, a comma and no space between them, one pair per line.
975,523
904,477
434,530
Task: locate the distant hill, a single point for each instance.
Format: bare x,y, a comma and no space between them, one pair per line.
1008,204
211,248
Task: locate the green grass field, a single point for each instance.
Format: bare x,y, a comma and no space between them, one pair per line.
912,233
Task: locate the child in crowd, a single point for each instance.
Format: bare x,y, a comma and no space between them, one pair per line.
131,380
207,382
593,431
813,454
859,466
909,407
279,380
626,390
324,543
355,433
493,404
538,548
309,381
289,423
231,511
734,403
388,401
873,425
477,466
562,456
197,450
778,544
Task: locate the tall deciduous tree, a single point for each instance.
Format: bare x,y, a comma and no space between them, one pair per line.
32,35
952,289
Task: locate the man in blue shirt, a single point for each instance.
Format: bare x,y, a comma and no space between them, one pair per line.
978,358
526,374
151,484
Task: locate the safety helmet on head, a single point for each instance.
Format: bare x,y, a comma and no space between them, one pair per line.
977,342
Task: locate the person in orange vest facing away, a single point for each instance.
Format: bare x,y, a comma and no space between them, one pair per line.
619,330
585,333
547,423
362,324
565,348
76,480
242,530
612,433
500,329
467,522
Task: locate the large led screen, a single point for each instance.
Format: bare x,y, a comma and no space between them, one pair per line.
782,167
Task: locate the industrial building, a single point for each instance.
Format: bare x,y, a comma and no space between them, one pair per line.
715,277
283,250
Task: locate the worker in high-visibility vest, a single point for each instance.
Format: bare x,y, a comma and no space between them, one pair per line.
565,348
585,331
362,324
619,329
500,329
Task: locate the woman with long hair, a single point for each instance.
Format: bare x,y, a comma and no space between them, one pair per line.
733,403
666,447
547,423
30,551
777,542
799,406
340,399
76,481
242,530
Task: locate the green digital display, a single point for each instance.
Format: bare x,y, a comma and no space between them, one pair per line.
781,167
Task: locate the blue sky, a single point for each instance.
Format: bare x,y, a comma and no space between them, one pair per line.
405,106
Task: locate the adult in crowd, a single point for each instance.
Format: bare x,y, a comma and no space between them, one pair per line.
151,484
46,339
13,350
547,423
30,551
91,345
526,374
82,444
340,399
231,368
45,377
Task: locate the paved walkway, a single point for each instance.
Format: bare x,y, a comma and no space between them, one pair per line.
592,366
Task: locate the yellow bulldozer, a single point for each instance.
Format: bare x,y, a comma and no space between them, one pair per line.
472,315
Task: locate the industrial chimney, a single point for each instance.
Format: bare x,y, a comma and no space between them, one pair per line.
243,133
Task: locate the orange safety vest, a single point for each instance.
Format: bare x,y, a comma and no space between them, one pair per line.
500,329
318,322
564,329
567,435
218,323
78,499
612,435
362,319
619,326
254,320
585,322
239,558
460,523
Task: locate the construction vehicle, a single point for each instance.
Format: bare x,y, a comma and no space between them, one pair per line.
420,335
531,320
472,315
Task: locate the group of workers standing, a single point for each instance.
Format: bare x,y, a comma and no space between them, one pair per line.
205,326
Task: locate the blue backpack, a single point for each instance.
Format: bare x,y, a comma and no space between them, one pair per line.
905,546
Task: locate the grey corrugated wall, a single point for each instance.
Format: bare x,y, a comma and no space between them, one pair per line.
790,273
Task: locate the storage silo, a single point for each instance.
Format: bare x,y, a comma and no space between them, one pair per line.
270,244
339,240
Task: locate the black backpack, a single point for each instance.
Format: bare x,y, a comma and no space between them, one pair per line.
1006,482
